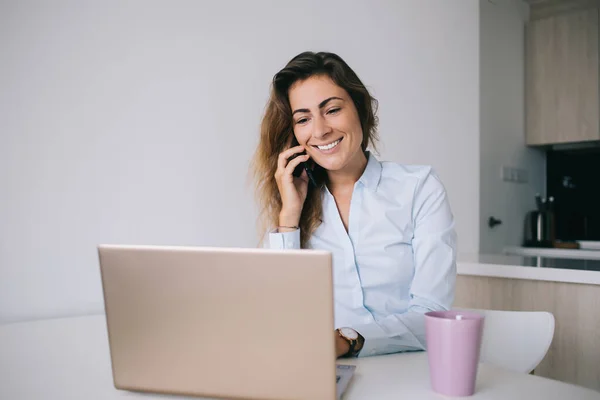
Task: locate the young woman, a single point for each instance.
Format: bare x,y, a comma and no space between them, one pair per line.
389,226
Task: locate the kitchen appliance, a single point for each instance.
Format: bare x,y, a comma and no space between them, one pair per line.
540,230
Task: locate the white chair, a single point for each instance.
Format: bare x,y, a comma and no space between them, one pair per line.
515,340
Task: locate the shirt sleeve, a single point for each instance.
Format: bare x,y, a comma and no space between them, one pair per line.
432,289
284,240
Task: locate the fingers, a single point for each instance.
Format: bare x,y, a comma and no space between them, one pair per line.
291,166
282,159
285,155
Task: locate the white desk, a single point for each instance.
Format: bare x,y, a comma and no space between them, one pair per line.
68,358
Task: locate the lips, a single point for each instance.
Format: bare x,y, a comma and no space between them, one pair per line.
328,146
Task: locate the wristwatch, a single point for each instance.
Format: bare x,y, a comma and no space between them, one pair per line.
350,336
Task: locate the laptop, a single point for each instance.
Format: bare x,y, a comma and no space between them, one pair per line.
222,322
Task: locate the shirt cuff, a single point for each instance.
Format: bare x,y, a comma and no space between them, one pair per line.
373,339
284,240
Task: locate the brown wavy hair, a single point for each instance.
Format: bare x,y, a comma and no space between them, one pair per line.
277,126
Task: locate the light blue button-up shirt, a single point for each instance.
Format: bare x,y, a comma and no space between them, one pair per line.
397,260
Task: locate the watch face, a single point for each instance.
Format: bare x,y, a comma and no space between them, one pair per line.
349,333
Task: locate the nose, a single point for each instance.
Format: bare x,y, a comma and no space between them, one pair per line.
321,127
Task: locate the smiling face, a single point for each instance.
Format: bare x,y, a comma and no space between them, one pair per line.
326,123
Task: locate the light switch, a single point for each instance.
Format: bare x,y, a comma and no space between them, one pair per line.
512,174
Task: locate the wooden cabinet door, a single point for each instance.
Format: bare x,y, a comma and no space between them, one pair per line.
562,79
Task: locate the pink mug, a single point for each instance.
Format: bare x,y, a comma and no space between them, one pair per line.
453,344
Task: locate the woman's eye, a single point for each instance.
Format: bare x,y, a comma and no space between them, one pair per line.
302,120
333,111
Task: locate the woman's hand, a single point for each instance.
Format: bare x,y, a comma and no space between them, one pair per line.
291,189
341,345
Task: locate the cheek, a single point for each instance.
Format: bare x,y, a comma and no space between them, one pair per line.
302,135
353,127
357,124
349,123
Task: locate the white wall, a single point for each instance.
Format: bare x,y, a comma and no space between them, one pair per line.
502,79
134,121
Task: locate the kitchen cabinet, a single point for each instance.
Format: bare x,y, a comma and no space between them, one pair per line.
562,71
575,350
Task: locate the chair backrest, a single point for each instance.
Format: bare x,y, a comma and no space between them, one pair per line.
515,340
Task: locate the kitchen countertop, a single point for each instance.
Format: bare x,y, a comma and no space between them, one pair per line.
576,254
530,268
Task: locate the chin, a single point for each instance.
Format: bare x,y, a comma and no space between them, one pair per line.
331,165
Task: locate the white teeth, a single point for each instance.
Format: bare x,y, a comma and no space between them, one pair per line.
330,145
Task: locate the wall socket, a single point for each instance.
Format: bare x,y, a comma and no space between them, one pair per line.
511,174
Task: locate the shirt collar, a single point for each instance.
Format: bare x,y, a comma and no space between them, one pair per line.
372,173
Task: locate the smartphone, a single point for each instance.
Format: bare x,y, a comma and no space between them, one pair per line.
303,166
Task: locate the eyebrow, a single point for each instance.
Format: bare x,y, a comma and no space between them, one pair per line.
321,104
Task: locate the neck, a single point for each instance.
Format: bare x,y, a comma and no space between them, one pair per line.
349,175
